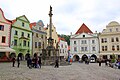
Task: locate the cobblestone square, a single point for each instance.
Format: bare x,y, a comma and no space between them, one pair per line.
76,71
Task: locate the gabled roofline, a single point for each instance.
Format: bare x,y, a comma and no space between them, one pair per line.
9,21
23,16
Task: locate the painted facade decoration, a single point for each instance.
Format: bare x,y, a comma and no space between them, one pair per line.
54,34
5,28
63,48
21,36
84,44
110,41
39,37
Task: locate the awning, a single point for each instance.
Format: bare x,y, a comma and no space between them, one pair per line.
6,49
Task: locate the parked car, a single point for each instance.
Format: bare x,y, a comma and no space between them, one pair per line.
92,60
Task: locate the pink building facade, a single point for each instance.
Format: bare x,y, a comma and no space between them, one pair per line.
5,31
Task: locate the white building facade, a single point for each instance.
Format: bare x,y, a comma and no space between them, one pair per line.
63,49
84,44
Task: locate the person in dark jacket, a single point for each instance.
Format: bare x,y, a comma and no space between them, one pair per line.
57,63
13,60
39,62
18,61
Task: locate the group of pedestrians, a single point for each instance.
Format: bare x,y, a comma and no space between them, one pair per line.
35,62
14,60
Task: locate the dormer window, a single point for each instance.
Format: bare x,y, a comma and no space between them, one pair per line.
83,35
23,24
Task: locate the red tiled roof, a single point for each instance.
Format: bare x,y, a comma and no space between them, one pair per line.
32,24
84,29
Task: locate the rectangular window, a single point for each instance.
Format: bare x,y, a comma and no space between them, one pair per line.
82,42
117,29
15,42
93,41
102,48
35,44
22,34
61,45
110,30
82,48
117,47
117,40
112,39
113,47
3,39
1,27
39,44
105,40
74,42
39,28
24,43
75,49
93,48
86,49
36,34
28,44
85,41
42,36
28,35
102,40
105,48
23,24
16,32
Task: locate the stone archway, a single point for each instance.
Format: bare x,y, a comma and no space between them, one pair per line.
21,56
94,56
12,55
76,58
84,57
27,56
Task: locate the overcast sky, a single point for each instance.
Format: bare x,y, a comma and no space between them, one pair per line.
68,15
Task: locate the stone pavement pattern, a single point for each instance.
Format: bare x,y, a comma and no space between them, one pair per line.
76,71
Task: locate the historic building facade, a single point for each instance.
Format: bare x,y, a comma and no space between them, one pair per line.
39,37
54,34
21,36
63,48
5,29
84,44
110,40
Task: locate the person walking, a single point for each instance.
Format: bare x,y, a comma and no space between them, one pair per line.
13,60
56,63
99,61
18,61
39,62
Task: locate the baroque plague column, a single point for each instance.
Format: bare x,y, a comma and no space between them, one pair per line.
50,54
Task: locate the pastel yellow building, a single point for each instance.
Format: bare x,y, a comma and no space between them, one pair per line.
54,34
110,40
